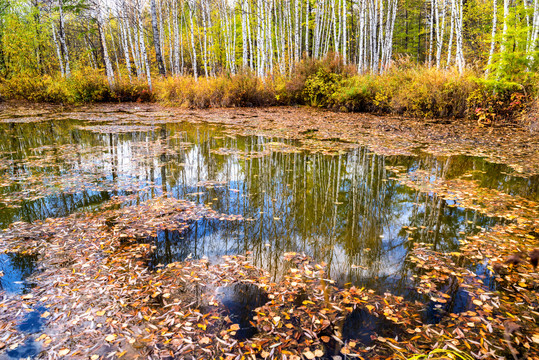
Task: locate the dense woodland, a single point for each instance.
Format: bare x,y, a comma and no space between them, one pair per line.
494,44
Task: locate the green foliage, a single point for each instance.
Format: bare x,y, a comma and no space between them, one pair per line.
411,90
312,81
497,100
356,93
320,87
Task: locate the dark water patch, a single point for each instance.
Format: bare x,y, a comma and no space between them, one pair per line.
27,350
459,301
365,327
240,301
32,322
14,269
201,238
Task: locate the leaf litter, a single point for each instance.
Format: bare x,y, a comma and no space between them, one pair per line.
103,301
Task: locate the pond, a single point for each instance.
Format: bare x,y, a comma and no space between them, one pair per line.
340,205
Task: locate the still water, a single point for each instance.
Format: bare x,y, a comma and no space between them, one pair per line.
342,208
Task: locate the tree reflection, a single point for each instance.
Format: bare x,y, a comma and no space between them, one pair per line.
344,209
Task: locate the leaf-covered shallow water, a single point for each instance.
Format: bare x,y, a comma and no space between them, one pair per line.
123,205
340,205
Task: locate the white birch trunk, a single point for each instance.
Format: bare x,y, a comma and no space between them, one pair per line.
344,26
63,40
451,32
58,51
192,14
102,38
143,53
492,36
126,49
157,38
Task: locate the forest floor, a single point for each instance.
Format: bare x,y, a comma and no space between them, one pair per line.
100,300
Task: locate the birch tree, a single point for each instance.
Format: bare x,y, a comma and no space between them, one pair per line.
106,59
63,41
157,39
492,36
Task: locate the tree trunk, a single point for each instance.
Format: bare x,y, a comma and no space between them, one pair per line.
192,14
143,53
63,40
492,36
58,50
106,59
157,39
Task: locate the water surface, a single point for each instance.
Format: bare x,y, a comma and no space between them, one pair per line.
343,208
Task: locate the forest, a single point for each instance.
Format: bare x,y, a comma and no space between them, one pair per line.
433,58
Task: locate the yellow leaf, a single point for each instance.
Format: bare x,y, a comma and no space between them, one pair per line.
27,296
318,353
63,352
235,327
110,338
100,313
46,314
94,357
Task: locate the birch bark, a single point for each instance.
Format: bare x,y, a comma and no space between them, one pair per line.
157,39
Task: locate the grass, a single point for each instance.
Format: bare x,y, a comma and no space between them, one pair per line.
442,354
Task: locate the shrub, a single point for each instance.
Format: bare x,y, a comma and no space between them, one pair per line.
430,92
242,89
136,90
355,94
320,87
314,73
24,87
494,100
88,85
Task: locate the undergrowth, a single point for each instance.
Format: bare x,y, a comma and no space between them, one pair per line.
406,89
